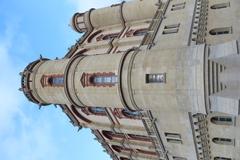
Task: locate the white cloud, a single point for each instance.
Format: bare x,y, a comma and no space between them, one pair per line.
21,136
83,5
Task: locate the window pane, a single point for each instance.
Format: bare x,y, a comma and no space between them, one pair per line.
156,78
58,81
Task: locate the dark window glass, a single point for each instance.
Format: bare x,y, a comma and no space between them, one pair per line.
110,36
105,79
131,114
139,137
220,31
222,120
140,32
156,78
56,81
220,6
222,158
179,158
97,110
223,141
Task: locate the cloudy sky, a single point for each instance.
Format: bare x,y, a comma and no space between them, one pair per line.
29,28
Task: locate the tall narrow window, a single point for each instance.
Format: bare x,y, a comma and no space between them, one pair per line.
103,80
222,158
178,6
221,31
99,79
52,80
223,141
170,29
173,137
156,78
220,5
222,120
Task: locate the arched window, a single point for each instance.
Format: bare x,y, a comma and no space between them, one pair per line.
121,149
220,31
146,152
222,158
97,111
220,6
131,114
223,141
110,135
222,120
109,36
117,148
140,32
76,112
90,38
139,137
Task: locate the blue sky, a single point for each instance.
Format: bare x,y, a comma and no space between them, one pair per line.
29,28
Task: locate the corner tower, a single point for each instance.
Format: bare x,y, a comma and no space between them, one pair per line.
152,79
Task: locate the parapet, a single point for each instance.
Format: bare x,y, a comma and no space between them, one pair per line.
27,79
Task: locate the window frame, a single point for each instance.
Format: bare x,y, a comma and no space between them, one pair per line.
45,80
150,78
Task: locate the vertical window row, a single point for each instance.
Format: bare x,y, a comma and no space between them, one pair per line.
125,150
119,136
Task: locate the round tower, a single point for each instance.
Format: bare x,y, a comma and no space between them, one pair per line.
170,79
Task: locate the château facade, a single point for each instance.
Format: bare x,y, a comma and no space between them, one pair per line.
152,79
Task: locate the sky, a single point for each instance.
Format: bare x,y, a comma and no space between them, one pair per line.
29,28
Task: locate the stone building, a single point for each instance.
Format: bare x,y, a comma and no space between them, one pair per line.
153,79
